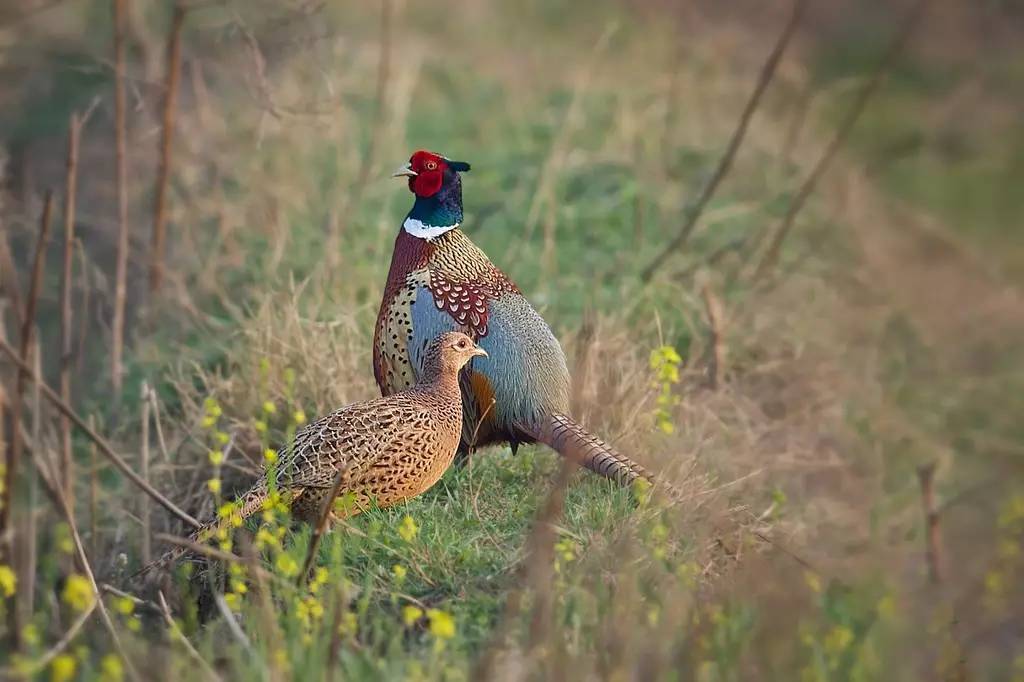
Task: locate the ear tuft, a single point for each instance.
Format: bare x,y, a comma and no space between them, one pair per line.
460,166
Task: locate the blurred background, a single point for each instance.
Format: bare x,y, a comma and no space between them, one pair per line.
804,309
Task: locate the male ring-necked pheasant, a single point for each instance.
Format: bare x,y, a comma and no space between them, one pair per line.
440,280
388,449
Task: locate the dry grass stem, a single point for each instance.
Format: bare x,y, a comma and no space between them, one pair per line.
321,527
899,41
156,264
144,506
716,344
179,636
15,443
70,192
693,212
105,448
121,144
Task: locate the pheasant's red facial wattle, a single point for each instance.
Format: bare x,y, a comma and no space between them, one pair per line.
429,169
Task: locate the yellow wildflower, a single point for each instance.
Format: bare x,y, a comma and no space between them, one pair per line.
124,605
411,614
30,633
239,586
78,592
8,580
442,625
299,417
216,457
62,537
408,528
260,426
287,565
221,438
838,639
269,407
208,421
111,668
269,456
233,601
63,668
214,485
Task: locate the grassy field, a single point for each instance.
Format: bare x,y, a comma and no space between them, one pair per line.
886,341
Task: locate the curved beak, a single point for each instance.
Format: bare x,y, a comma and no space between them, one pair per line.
405,171
479,351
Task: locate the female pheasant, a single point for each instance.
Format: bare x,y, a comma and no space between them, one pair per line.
439,281
387,450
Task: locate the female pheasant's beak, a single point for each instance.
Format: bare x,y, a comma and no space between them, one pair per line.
406,171
479,351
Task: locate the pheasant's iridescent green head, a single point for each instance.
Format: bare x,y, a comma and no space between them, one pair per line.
429,172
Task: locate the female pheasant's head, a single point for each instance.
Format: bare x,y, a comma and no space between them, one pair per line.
435,181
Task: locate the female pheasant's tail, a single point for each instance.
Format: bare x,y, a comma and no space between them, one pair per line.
248,504
573,442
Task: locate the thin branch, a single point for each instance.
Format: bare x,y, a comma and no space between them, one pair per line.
321,527
716,350
180,636
83,562
156,265
694,212
60,645
144,507
540,545
15,444
121,144
933,539
911,21
104,448
67,463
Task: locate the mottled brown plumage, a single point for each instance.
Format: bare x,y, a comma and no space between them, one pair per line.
387,450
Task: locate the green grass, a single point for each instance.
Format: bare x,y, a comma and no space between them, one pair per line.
834,393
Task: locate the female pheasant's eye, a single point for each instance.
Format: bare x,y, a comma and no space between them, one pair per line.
431,165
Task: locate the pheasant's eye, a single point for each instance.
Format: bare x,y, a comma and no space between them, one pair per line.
431,165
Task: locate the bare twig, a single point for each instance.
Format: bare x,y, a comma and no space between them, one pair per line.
105,448
121,143
178,635
156,264
67,464
15,444
911,21
716,346
84,566
540,546
933,539
94,493
694,211
9,280
144,508
60,645
321,527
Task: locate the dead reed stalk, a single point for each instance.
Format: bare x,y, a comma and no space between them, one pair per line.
895,47
694,212
156,265
70,191
121,143
320,528
14,443
104,447
716,345
933,538
144,506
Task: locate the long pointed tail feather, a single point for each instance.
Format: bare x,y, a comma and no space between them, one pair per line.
572,441
247,505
